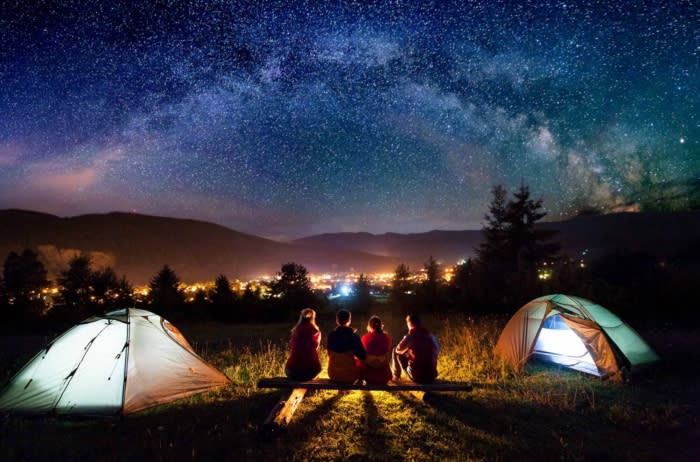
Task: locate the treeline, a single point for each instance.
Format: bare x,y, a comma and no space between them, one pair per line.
513,265
28,299
517,263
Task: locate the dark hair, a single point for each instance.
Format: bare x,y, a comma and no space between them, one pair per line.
413,319
343,317
375,324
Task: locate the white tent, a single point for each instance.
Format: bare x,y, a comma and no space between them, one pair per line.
575,333
121,362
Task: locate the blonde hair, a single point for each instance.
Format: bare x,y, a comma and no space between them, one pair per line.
307,316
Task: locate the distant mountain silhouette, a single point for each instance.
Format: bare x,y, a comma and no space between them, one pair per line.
413,249
139,245
656,233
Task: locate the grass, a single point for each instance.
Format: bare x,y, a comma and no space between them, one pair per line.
544,414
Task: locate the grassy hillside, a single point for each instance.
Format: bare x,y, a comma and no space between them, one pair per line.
139,245
544,414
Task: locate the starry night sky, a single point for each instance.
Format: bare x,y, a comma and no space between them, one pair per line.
289,119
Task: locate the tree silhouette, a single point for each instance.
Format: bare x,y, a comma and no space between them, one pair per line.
23,278
224,300
292,288
512,248
109,291
401,287
76,284
165,296
362,299
430,287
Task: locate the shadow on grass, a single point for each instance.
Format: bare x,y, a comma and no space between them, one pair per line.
374,437
301,427
222,430
528,431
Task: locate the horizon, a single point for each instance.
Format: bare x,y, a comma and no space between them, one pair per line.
287,121
126,212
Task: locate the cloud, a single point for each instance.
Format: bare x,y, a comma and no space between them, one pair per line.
68,174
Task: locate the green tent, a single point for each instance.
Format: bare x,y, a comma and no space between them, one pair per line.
575,333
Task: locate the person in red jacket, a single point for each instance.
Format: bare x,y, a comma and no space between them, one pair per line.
303,363
416,354
377,344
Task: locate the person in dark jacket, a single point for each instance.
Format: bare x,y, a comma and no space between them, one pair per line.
345,351
416,354
377,344
303,363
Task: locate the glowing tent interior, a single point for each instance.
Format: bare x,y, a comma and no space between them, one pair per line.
117,363
575,333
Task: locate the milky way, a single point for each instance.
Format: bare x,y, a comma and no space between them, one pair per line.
288,119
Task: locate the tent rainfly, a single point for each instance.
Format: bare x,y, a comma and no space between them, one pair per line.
117,363
575,333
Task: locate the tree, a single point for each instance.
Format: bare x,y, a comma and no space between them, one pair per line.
24,276
362,298
165,295
109,291
401,287
430,287
494,246
292,288
512,248
224,300
76,283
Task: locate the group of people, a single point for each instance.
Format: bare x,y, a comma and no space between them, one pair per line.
371,359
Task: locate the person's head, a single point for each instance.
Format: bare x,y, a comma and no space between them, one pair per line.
375,324
307,316
412,320
342,318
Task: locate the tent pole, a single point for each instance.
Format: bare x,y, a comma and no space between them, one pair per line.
126,361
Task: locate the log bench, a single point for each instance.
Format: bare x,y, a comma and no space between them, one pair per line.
283,411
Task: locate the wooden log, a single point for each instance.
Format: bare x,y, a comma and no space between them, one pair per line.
282,413
326,384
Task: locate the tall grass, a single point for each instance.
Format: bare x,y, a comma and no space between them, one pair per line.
544,413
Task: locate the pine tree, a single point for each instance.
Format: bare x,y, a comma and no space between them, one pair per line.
165,296
401,287
23,278
224,299
76,284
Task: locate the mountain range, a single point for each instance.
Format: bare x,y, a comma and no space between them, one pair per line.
139,245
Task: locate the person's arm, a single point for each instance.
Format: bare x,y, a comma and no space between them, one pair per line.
317,339
404,344
358,348
436,344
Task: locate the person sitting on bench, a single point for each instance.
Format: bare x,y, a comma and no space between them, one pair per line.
345,351
377,344
416,354
303,363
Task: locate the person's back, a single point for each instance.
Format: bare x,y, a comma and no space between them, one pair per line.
303,362
343,347
416,353
377,344
422,356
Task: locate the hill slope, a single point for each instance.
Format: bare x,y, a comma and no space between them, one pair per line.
139,245
660,234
